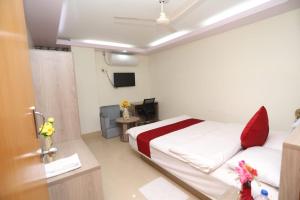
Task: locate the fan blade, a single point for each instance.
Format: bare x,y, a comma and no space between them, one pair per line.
185,8
134,21
147,23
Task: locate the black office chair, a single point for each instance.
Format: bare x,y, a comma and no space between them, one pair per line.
147,111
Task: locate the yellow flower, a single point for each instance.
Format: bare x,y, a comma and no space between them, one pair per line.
124,104
47,129
51,119
50,131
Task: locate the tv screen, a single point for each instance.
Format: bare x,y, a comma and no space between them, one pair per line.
124,79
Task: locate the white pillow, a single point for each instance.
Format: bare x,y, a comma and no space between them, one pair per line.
266,161
275,140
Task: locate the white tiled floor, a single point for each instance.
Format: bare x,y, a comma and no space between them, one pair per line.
123,171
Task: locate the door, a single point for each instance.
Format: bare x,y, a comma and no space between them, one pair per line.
21,172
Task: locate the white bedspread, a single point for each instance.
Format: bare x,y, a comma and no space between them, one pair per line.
134,132
209,151
214,184
206,145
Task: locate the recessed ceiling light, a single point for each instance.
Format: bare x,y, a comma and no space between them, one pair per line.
242,7
168,38
107,43
124,51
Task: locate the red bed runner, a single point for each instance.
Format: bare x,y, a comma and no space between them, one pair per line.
143,139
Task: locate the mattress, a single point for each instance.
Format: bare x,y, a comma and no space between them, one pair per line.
177,164
205,145
213,184
202,182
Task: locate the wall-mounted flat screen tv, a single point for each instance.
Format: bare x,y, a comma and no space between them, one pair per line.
124,79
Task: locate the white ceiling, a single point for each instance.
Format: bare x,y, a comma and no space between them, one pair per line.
94,19
43,18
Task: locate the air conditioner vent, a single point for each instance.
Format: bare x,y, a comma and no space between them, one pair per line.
119,59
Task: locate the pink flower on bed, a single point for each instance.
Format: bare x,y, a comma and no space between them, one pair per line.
245,172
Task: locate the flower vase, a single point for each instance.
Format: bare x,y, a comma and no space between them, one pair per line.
245,193
125,114
47,145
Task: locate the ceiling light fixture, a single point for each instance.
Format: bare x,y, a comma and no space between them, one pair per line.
107,43
235,10
168,38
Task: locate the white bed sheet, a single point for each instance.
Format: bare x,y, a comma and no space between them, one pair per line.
227,175
210,150
137,130
160,154
202,182
214,184
206,145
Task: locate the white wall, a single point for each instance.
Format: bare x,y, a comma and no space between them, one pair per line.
87,90
94,89
109,95
227,77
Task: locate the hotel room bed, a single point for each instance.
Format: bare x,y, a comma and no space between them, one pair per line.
171,152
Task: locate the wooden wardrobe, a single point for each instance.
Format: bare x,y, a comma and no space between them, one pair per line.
55,89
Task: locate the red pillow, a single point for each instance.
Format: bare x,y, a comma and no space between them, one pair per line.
256,131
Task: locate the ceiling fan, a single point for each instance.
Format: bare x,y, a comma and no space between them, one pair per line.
163,20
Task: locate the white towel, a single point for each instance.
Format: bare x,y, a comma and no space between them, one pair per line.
62,165
210,151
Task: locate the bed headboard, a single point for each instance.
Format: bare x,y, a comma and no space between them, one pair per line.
290,166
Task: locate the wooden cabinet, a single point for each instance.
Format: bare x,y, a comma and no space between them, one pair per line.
55,91
290,168
55,88
80,184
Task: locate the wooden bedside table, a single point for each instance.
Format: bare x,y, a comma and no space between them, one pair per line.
125,123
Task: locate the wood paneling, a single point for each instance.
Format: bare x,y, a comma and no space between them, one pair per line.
55,88
54,83
83,183
82,187
21,172
290,168
86,157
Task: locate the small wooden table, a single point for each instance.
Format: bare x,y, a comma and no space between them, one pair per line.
125,123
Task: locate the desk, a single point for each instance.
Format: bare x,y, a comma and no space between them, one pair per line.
139,105
82,183
125,123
